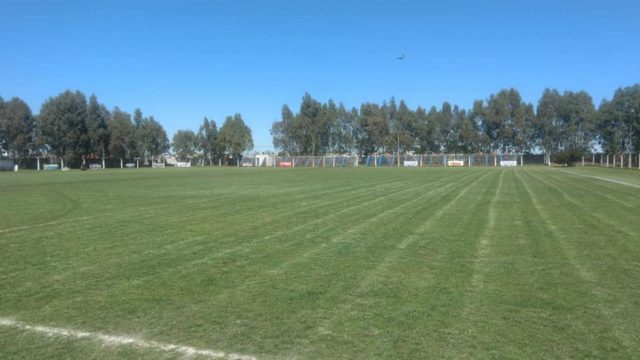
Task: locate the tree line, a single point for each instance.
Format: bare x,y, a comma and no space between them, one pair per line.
562,124
231,140
74,129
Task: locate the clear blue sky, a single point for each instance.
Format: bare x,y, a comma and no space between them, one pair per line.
182,60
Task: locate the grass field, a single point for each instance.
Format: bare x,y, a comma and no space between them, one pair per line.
321,263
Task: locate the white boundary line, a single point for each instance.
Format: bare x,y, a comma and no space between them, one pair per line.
603,179
25,227
116,340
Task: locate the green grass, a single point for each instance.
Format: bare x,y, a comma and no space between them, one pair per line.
324,263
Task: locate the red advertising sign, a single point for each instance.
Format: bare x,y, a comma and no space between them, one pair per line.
284,164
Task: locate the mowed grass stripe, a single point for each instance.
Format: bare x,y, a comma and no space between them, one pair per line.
610,319
98,284
340,267
460,340
623,221
383,264
352,263
406,307
318,220
521,300
161,201
118,271
284,253
199,262
604,226
589,189
629,178
384,215
623,195
417,233
160,198
181,228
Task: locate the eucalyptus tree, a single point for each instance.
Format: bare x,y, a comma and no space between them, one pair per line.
424,131
284,132
330,135
150,137
314,125
375,129
235,136
98,119
564,122
344,132
185,144
16,128
155,138
618,122
506,122
477,119
121,135
406,126
469,139
208,139
62,125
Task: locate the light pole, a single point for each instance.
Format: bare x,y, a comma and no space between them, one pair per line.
398,135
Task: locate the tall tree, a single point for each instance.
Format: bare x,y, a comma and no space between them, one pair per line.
405,129
315,126
441,122
375,129
16,127
284,132
185,144
469,135
98,127
564,122
506,121
122,135
618,124
137,118
155,137
344,130
151,138
208,139
235,136
62,123
330,138
424,131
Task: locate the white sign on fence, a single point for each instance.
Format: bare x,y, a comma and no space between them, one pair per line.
455,163
183,164
508,163
411,163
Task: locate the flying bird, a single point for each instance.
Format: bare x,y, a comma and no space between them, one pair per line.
401,57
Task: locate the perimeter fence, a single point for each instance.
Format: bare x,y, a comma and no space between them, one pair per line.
624,160
392,160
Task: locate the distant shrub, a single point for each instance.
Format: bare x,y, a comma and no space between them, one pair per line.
569,156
